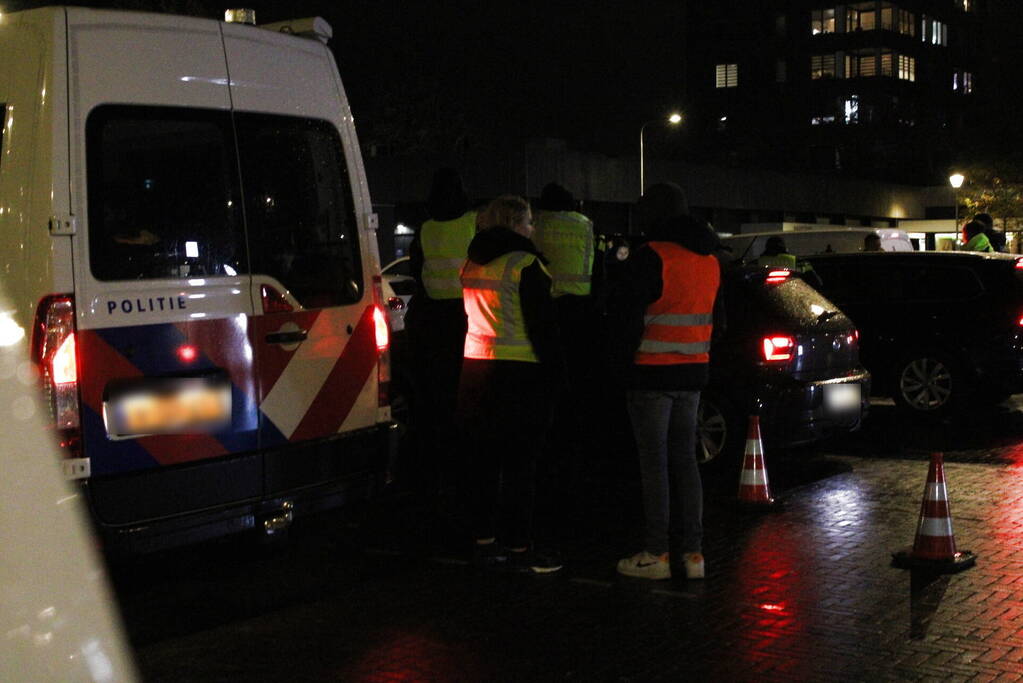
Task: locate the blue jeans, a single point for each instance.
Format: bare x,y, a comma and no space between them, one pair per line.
664,424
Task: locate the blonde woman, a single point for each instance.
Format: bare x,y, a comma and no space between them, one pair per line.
511,360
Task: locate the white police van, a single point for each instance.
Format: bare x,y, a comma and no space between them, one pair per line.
187,234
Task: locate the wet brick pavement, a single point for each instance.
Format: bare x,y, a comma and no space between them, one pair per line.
807,593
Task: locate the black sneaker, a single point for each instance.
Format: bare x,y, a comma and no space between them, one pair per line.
533,561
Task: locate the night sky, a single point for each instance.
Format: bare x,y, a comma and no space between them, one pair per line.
429,75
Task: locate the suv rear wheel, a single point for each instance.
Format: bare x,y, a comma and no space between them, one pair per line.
717,428
929,383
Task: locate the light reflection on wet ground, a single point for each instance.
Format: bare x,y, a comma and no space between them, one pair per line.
807,593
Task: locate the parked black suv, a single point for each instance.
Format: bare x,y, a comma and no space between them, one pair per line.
782,345
938,329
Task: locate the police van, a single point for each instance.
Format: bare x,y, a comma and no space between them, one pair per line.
187,234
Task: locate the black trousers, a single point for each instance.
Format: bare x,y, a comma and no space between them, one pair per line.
436,338
505,413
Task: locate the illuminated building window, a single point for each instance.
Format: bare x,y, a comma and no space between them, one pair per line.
962,82
822,21
886,64
861,17
822,66
905,22
907,68
934,32
965,5
726,76
822,120
852,109
861,64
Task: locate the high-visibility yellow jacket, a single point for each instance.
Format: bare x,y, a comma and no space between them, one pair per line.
444,245
497,327
781,260
566,239
679,324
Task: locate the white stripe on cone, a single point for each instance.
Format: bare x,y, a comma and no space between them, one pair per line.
754,447
935,526
936,491
753,478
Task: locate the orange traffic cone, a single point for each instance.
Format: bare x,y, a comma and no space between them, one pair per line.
935,544
754,489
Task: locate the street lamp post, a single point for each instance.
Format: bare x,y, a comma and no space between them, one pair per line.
956,181
673,119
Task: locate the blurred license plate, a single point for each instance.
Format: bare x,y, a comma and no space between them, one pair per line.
188,405
841,398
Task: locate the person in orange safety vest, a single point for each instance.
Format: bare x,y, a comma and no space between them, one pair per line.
671,285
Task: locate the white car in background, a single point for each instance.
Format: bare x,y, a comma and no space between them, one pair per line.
398,285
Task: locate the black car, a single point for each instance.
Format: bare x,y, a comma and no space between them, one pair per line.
938,330
784,351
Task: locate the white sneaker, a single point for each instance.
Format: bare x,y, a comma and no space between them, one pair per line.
645,566
694,565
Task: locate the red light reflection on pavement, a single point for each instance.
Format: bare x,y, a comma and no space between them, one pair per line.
407,656
772,583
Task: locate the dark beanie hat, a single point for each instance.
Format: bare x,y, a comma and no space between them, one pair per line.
660,203
556,198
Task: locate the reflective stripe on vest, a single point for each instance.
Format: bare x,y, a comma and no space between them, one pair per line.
497,328
679,324
566,239
445,244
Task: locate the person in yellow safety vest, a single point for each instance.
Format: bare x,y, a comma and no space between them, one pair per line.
775,255
671,286
435,325
975,237
565,237
510,368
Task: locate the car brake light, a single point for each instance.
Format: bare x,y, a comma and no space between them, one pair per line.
55,353
383,341
395,303
777,276
777,348
1019,263
380,327
63,368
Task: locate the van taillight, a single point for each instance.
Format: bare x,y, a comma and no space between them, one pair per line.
778,348
383,341
54,351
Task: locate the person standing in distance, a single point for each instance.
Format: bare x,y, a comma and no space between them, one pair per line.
436,327
995,237
511,364
672,285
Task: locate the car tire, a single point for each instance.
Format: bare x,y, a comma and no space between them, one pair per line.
719,432
930,383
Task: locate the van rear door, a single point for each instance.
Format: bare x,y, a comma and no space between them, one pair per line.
161,271
312,263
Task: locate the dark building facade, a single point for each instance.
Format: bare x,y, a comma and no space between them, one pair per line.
878,89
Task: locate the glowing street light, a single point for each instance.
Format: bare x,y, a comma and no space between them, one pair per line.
956,181
674,119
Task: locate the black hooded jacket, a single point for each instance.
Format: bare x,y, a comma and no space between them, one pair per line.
642,285
538,310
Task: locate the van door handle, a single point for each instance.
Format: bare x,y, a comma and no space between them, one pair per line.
287,337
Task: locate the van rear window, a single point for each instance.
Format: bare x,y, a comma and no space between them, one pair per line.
163,194
298,208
